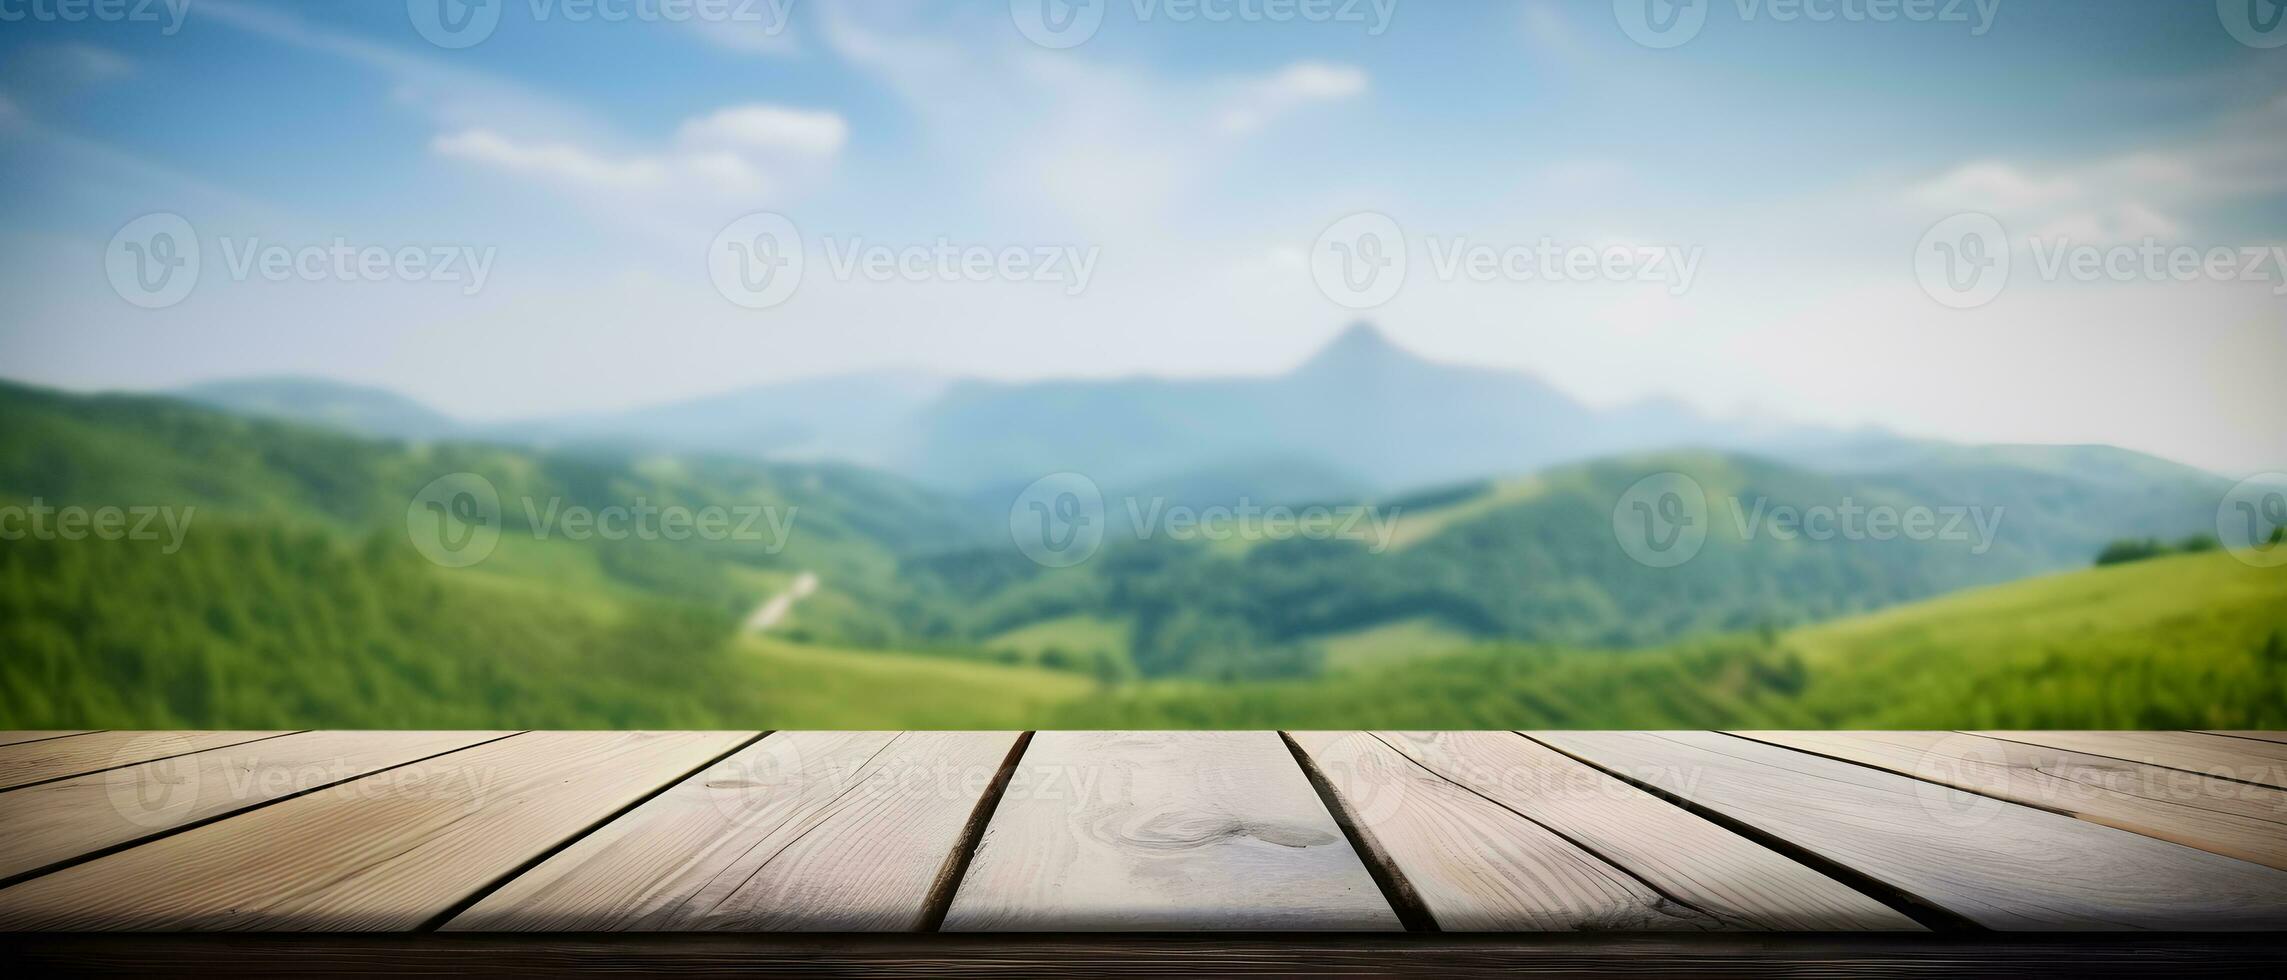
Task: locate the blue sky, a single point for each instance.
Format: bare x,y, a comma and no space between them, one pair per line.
595,163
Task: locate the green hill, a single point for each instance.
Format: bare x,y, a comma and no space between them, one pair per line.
2196,641
1536,561
298,598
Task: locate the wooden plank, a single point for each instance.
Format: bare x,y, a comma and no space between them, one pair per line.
2236,819
1102,831
2246,760
1474,865
836,831
12,738
33,762
1733,881
1998,864
58,821
389,851
2260,736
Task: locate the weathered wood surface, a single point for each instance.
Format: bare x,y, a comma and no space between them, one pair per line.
390,851
841,831
1164,831
2247,760
2236,819
1733,880
12,738
1474,865
68,818
1994,863
34,761
2260,736
474,833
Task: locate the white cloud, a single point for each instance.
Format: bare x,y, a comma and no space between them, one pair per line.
735,154
767,128
562,162
1294,86
2153,191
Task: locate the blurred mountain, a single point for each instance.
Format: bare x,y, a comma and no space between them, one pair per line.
337,405
1361,418
1361,405
848,418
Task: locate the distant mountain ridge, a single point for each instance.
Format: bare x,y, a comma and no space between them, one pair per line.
356,409
1361,417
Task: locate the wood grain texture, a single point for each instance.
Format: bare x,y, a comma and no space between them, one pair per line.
1475,865
841,831
1998,864
12,738
2242,759
2234,819
1164,830
38,761
2260,736
1726,878
57,821
387,852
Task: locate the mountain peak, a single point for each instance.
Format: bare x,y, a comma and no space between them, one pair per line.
1360,345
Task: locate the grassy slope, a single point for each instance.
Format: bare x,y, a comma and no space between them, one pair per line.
1392,642
388,641
2176,642
2170,643
1077,634
258,627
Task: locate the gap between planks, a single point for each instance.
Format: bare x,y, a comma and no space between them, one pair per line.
1905,903
157,833
470,900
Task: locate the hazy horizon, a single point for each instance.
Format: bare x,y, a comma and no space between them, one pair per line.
1190,182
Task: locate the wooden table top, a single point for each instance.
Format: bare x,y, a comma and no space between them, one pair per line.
1058,832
